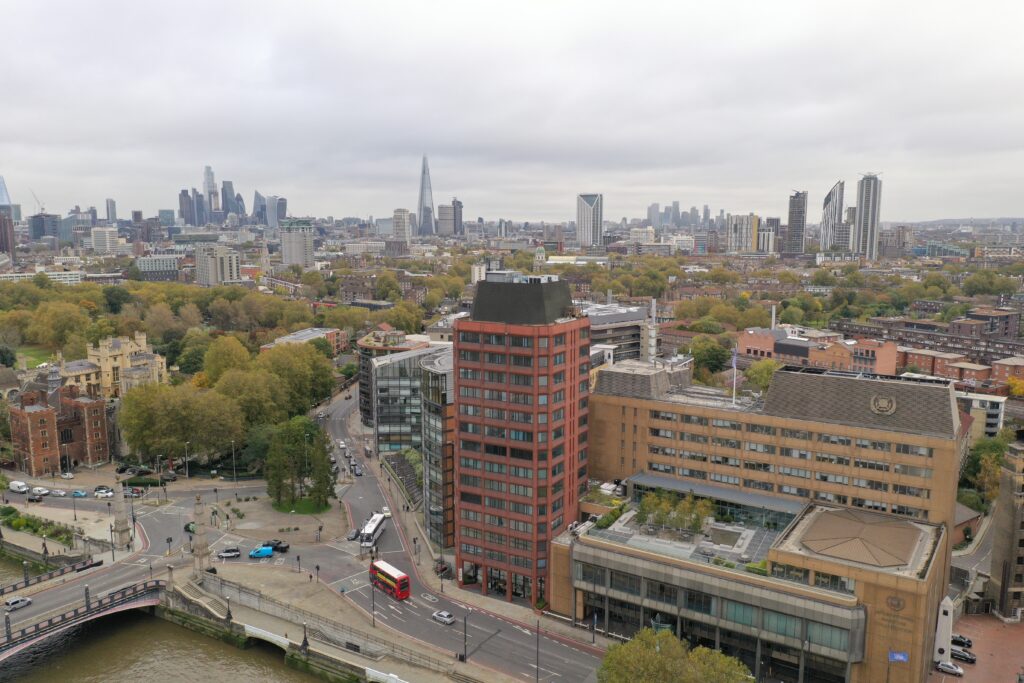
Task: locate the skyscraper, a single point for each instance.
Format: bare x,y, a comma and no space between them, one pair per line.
227,196
216,265
742,234
797,223
104,240
460,229
425,206
402,226
5,197
111,212
589,219
445,220
654,215
210,190
186,208
865,227
832,219
273,212
297,244
259,209
7,243
521,395
199,208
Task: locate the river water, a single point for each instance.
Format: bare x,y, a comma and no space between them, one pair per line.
138,648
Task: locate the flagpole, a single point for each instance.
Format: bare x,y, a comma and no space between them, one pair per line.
734,375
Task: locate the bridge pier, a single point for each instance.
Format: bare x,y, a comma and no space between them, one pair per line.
7,625
86,596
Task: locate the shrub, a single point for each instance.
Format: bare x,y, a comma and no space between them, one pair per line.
757,567
141,481
610,517
8,510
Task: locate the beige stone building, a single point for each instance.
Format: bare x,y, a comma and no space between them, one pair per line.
114,366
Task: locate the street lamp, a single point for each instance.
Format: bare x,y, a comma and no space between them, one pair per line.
109,512
305,450
216,497
186,458
234,467
74,506
112,558
318,573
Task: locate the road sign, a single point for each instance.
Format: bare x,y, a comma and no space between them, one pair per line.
898,656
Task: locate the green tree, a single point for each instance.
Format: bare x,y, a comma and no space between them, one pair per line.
709,354
662,657
257,394
386,287
323,346
304,375
54,321
42,281
760,372
295,450
225,353
7,356
707,325
792,315
823,278
349,370
116,297
405,316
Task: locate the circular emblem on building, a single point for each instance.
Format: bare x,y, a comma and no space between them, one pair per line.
883,405
895,603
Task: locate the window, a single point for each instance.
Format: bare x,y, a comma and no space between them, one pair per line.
469,428
494,339
520,490
833,582
469,409
904,490
521,527
794,491
828,636
834,439
870,484
724,478
832,478
695,438
923,472
521,380
874,445
789,572
759,485
470,463
518,416
876,465
739,612
467,497
471,515
727,424
469,337
520,508
831,497
494,413
470,532
520,435
795,472
662,592
761,429
760,447
559,340
758,466
469,392
723,460
693,474
659,467
782,624
662,433
495,358
470,549
494,485
797,453
466,373
495,395
908,449
695,420
558,358
522,361
469,480
870,504
725,443
832,459
494,467
662,415
494,377
521,399
796,434
472,356
700,602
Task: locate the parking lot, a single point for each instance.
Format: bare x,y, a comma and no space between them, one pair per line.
997,646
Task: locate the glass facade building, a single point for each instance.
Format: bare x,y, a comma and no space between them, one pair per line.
397,408
438,418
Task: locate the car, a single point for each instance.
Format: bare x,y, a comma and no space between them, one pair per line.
40,491
229,553
168,476
34,498
103,487
962,655
949,668
79,493
67,475
357,470
143,470
444,616
277,545
190,527
131,471
386,511
17,603
321,415
60,493
105,493
962,641
7,464
333,459
261,552
132,493
352,535
121,469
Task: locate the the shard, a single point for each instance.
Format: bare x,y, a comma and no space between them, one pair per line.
425,207
5,198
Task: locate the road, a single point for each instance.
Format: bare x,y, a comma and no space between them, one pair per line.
491,641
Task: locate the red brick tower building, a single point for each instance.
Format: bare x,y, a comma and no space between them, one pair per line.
522,363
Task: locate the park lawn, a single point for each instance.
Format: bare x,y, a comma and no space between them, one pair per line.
34,355
303,506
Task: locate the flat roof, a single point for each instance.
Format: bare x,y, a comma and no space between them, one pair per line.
724,493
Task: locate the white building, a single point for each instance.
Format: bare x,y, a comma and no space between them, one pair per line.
104,240
402,225
864,237
741,234
832,219
216,265
641,235
589,219
297,245
445,220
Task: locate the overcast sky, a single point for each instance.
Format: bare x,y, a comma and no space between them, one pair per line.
519,105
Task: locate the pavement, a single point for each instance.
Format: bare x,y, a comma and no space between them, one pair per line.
997,646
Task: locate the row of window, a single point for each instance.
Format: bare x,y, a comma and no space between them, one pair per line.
516,341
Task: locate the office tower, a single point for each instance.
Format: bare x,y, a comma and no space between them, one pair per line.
111,212
425,206
769,235
654,215
460,229
216,265
694,216
227,196
5,197
277,210
589,219
865,226
199,207
44,225
240,204
186,209
166,217
797,223
742,234
707,216
675,218
259,209
832,219
210,190
7,244
104,240
437,392
282,209
445,220
136,218
401,225
521,389
297,244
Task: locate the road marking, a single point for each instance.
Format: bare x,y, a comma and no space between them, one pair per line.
523,630
428,597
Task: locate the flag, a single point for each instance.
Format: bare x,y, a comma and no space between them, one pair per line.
734,358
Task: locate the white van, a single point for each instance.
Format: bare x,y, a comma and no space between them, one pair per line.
17,487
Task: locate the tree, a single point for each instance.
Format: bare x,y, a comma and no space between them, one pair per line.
116,297
386,287
760,372
709,354
7,356
54,321
662,657
349,370
1016,386
297,450
225,353
323,346
823,278
707,325
257,394
405,316
304,375
190,316
792,315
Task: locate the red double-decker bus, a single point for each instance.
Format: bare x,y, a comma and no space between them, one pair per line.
389,580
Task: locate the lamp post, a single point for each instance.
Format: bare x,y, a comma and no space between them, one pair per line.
318,573
465,650
74,506
373,598
112,558
234,467
537,666
305,452
109,512
186,458
216,497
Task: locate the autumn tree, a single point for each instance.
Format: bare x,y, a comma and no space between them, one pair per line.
660,657
257,393
225,353
709,354
304,376
54,322
760,372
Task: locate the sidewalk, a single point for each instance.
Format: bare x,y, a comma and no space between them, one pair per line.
288,586
986,522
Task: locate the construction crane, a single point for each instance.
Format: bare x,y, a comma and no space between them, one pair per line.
39,205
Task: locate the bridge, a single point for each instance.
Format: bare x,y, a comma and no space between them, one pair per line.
17,637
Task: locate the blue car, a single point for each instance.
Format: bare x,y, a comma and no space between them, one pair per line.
257,553
79,493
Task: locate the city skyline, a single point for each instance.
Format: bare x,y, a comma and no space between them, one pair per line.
576,114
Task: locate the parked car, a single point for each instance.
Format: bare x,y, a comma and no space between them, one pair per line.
386,511
104,493
229,553
962,641
102,487
40,491
132,493
277,545
121,469
34,498
357,470
444,617
353,534
168,476
60,493
962,655
949,668
17,603
79,493
261,552
67,475
321,415
7,464
143,470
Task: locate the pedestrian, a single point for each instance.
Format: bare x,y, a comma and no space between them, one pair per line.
311,578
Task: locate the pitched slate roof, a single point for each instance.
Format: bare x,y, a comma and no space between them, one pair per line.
868,402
